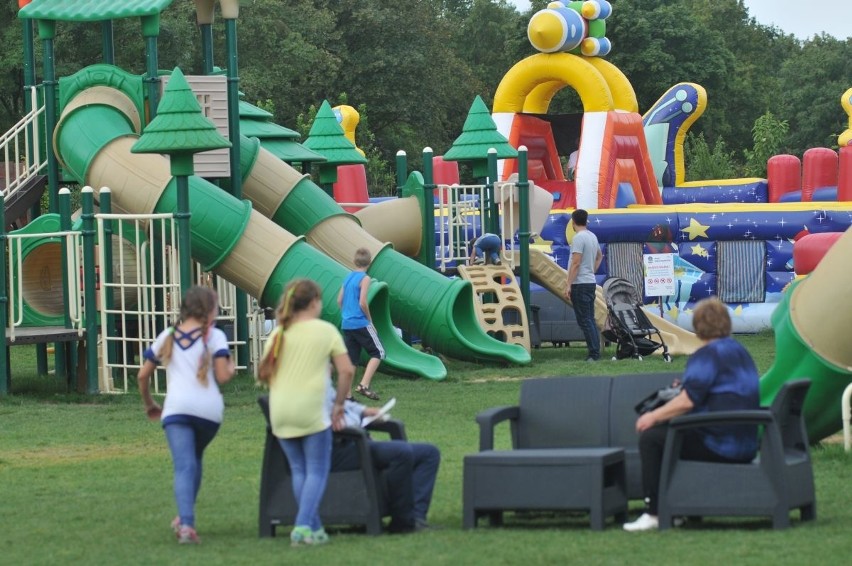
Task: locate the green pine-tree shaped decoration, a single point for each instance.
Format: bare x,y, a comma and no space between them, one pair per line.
326,138
479,134
180,129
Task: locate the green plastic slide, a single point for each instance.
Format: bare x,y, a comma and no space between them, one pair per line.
423,302
218,222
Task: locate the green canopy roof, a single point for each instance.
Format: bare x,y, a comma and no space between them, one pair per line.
91,10
251,111
326,138
263,129
290,151
180,127
479,134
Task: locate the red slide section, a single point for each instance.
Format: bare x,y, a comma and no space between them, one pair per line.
624,141
542,156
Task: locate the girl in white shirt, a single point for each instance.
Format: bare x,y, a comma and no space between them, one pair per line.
196,357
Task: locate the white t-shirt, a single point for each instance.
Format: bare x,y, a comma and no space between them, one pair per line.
185,395
586,243
572,159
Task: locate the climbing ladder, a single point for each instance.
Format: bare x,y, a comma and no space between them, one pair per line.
499,304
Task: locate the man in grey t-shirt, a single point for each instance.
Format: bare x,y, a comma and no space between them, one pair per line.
585,260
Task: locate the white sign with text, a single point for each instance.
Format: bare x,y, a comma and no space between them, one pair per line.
659,275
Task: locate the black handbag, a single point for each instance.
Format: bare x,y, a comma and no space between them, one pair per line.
659,398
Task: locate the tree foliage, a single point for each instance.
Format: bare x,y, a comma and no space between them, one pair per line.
704,162
416,66
813,80
769,134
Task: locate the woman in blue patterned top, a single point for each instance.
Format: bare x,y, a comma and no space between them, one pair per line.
719,376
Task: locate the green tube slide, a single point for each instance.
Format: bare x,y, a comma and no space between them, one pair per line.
218,223
438,310
796,358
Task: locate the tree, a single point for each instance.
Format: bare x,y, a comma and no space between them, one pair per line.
288,54
750,90
769,135
659,43
400,63
702,162
490,39
812,82
11,66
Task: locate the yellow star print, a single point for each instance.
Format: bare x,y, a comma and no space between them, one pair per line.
699,251
695,229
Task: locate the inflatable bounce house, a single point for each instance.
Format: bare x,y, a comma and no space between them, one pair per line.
732,238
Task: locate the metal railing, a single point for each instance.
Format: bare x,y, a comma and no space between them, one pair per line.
461,212
227,318
506,195
21,148
140,306
73,267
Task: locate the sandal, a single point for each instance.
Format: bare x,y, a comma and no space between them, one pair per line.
367,392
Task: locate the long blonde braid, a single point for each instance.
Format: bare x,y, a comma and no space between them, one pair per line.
297,296
197,303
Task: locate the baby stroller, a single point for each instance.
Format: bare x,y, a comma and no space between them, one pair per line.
627,324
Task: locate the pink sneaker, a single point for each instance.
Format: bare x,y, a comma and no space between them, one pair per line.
187,535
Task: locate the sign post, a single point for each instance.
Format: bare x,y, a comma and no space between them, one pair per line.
659,276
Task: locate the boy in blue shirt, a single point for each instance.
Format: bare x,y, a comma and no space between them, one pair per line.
357,325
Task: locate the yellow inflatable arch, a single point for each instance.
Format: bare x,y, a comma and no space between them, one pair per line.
530,84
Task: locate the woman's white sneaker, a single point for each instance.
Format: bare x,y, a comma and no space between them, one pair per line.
645,522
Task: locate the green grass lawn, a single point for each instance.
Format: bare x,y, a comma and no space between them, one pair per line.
87,480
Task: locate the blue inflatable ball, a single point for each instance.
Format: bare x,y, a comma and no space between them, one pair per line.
596,9
596,47
556,29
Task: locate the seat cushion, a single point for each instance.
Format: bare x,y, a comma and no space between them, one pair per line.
545,457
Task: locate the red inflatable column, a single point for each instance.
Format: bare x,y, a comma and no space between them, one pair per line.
784,173
844,180
444,173
809,250
351,186
820,170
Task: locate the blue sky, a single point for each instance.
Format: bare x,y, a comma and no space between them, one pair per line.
802,19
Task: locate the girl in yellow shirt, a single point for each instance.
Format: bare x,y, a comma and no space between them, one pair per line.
302,345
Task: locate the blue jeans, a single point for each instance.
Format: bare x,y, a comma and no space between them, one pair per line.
583,300
188,436
490,244
410,469
310,461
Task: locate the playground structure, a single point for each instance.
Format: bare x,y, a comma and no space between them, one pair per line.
292,227
101,112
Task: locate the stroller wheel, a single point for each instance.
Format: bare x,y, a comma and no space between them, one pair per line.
667,358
